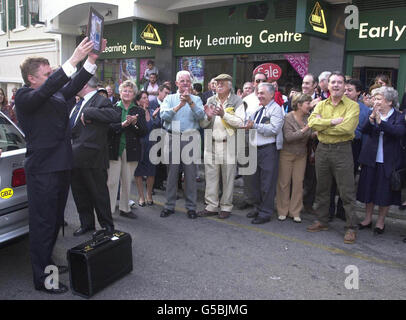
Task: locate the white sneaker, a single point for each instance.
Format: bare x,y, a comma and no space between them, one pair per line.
282,218
131,204
297,219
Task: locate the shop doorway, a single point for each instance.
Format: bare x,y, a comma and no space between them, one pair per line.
367,67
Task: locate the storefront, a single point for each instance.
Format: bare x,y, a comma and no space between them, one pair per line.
378,46
123,58
236,39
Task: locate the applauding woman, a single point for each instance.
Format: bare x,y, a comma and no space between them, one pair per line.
292,161
125,148
380,155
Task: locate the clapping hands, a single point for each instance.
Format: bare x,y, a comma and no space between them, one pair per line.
209,110
130,120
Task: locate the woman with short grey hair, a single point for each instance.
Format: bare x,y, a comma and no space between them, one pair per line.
380,156
125,150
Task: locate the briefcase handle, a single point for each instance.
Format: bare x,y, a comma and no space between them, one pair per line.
99,237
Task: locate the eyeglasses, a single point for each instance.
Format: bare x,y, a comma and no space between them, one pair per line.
260,80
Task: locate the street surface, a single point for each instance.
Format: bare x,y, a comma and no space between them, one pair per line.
207,258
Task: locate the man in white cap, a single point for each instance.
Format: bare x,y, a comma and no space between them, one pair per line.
219,155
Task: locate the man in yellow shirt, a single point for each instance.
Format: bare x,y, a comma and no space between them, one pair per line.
335,120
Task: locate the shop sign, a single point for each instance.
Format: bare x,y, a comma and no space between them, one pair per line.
312,18
272,71
379,30
250,38
149,33
121,45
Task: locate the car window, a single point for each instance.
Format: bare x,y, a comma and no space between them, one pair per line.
10,137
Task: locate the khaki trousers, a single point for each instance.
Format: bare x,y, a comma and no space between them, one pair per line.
291,173
121,170
219,168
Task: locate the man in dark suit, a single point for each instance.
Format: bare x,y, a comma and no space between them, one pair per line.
160,173
212,91
90,121
110,94
163,91
43,115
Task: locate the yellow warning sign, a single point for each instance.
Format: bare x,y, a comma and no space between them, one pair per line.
150,35
318,19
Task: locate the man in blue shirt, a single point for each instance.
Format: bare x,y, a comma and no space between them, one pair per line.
181,113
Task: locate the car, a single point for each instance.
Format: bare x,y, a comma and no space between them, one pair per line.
13,189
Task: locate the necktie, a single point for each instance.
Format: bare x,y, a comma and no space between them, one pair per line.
259,115
74,113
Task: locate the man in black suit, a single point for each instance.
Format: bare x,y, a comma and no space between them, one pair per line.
110,94
43,115
212,91
90,121
163,91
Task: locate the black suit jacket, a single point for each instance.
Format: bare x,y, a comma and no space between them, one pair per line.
154,104
114,101
132,135
206,95
43,116
90,141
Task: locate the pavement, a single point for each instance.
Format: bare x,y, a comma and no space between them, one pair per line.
394,214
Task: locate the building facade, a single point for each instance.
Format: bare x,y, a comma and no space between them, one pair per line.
292,37
23,34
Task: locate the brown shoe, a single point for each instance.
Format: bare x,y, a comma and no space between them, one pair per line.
206,213
224,214
350,236
316,227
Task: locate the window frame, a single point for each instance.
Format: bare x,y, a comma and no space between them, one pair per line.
20,14
3,25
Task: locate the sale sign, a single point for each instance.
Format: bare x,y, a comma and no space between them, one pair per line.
271,70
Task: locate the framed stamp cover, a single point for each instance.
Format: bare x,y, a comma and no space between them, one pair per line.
95,28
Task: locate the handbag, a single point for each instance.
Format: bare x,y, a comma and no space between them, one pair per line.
397,179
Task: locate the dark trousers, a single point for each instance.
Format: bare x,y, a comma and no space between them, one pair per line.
160,175
265,180
47,196
90,192
309,185
335,161
356,150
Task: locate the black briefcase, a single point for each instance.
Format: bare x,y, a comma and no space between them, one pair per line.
96,263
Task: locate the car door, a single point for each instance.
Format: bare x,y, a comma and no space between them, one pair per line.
13,191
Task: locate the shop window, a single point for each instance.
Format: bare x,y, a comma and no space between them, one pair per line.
203,69
113,72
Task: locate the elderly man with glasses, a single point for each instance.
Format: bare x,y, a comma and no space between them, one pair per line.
268,122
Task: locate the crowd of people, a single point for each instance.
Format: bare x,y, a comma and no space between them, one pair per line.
318,135
309,145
